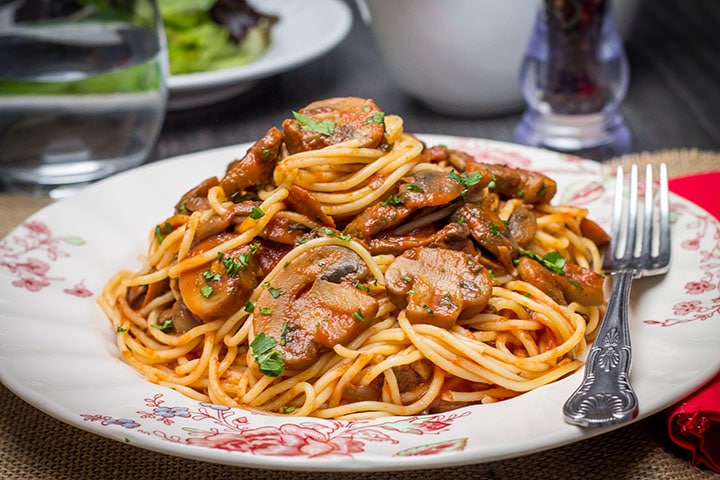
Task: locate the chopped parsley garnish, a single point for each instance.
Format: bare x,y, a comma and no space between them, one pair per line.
361,286
121,329
465,179
324,127
234,265
552,260
206,291
266,153
270,362
543,189
256,213
357,315
406,279
574,283
182,209
393,201
265,310
332,233
493,182
254,248
414,187
275,292
428,309
161,231
211,276
249,307
163,326
495,229
288,409
378,117
520,193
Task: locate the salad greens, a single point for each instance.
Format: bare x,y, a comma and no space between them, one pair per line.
203,35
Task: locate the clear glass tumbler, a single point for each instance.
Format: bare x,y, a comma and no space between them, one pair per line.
82,90
573,78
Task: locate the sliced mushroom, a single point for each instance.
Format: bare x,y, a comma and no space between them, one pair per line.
438,286
523,225
489,231
576,284
334,120
256,167
223,286
530,186
313,304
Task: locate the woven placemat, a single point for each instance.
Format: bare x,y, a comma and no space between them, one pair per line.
36,446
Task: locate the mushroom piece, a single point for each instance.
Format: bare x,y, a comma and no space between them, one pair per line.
490,232
438,286
575,284
222,287
256,167
523,225
334,120
531,187
313,304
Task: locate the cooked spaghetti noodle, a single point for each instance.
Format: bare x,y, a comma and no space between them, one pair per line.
343,271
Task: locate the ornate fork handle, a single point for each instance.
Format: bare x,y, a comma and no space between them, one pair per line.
605,396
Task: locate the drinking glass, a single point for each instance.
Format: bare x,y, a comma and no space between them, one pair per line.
82,90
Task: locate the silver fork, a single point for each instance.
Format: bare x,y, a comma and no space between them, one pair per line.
605,396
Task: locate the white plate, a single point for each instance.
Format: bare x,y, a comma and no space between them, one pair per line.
57,349
306,30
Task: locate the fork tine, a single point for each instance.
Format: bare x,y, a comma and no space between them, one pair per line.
648,223
663,257
631,222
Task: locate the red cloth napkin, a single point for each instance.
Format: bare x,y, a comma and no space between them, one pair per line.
694,423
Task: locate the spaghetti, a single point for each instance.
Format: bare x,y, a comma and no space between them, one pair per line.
343,269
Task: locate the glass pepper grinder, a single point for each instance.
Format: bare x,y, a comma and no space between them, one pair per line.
573,77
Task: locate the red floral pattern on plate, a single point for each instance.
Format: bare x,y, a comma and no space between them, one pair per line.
29,256
224,428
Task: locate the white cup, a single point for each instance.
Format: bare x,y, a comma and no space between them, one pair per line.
459,57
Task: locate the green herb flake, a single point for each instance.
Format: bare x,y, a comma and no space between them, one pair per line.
495,229
265,310
211,276
266,153
428,309
465,179
249,307
361,286
414,187
406,279
288,409
206,291
275,292
256,213
161,231
552,260
121,329
393,201
492,274
163,326
574,283
357,315
270,362
324,127
378,117
493,182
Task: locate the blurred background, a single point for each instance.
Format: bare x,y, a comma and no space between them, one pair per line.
673,100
